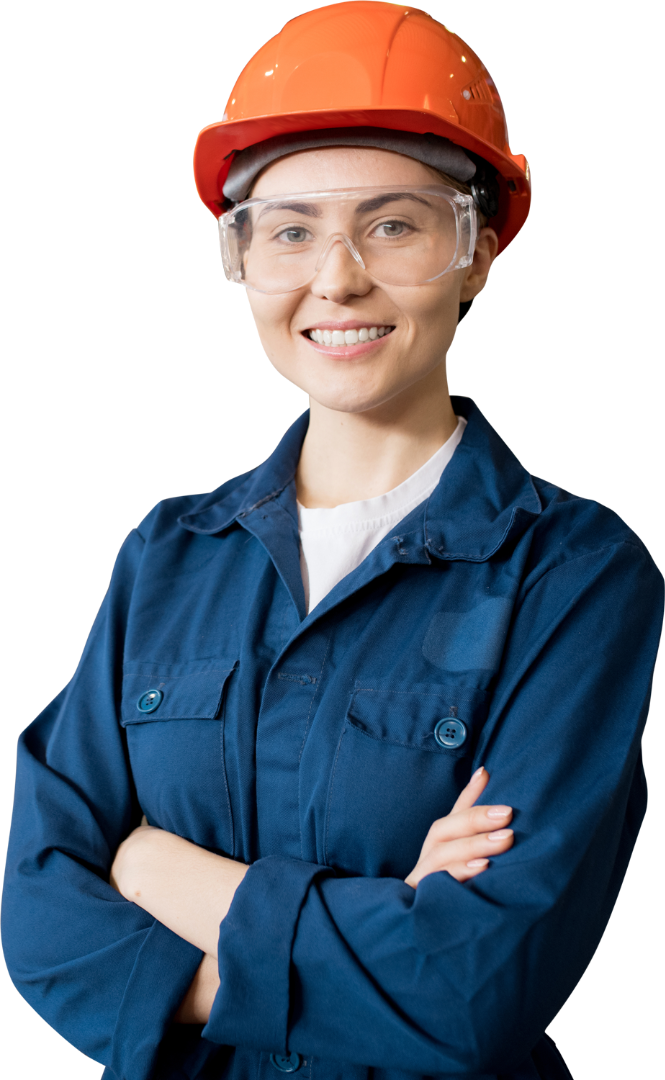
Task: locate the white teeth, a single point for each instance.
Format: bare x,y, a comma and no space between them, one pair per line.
348,337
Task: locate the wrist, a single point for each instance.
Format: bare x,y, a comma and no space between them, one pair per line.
198,1001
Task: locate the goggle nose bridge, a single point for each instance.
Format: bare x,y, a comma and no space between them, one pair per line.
340,238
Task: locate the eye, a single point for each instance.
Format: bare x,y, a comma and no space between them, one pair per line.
391,228
296,234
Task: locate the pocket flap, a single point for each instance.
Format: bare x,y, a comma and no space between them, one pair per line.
185,691
410,717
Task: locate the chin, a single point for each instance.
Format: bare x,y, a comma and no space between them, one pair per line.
351,399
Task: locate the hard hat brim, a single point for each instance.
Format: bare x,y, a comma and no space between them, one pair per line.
217,142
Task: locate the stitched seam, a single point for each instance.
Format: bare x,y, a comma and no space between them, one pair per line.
303,680
190,675
406,746
304,738
461,696
330,792
261,502
222,730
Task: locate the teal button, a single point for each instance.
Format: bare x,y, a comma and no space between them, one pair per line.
450,733
286,1064
150,701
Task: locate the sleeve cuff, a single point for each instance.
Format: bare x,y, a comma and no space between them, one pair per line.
251,1008
165,966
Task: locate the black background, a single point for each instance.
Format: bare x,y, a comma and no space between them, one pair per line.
136,374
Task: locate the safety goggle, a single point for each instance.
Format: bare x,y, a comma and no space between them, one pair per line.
398,235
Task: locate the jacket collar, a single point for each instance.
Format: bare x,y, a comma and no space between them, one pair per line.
236,501
484,499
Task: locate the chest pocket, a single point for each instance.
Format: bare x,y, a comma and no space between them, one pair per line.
402,759
174,719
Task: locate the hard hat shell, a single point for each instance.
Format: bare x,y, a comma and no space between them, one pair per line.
367,64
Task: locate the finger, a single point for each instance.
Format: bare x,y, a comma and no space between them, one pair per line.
461,871
470,852
473,790
478,819
484,846
452,852
466,871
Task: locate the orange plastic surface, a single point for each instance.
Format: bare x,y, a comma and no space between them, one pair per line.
366,63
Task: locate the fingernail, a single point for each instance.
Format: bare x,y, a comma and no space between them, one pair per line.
474,863
499,811
478,772
500,834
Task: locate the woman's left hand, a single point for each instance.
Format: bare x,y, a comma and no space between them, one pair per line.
120,862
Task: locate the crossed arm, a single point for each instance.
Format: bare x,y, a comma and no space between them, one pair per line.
187,889
190,890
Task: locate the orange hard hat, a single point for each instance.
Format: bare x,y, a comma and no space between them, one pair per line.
367,64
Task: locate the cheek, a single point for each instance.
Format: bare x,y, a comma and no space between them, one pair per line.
433,311
273,316
260,307
271,313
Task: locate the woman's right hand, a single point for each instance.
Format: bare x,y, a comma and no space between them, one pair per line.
462,842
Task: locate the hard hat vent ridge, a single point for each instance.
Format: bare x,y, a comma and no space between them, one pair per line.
479,90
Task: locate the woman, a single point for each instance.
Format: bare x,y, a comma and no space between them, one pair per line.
305,682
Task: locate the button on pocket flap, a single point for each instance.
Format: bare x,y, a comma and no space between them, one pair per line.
185,691
440,719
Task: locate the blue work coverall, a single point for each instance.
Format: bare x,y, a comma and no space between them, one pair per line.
312,747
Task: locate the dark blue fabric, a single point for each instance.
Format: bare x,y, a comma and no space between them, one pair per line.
304,745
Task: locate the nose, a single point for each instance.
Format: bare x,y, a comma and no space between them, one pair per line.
340,271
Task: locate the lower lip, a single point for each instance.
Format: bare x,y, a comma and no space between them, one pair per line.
347,352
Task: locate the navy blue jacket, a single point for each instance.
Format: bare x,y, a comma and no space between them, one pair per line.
305,745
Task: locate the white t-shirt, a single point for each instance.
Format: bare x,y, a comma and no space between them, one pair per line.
335,540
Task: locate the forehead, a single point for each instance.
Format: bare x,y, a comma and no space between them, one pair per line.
339,167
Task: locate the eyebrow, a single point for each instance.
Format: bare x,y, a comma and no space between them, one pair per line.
365,207
308,209
391,196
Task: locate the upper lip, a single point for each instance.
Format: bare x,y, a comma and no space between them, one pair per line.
351,324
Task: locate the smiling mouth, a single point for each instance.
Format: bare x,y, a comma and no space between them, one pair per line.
341,338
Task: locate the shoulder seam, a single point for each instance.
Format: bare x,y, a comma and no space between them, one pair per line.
626,542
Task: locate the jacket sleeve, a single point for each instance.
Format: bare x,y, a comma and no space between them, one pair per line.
457,978
100,970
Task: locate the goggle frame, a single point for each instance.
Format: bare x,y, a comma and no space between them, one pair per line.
464,208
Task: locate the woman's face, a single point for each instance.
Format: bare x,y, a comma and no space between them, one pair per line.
343,296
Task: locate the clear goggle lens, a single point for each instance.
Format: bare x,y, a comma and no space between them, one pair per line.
398,235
